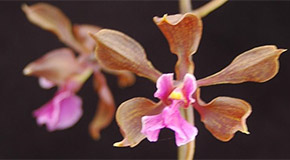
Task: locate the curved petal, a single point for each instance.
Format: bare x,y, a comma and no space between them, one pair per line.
183,33
51,18
118,51
164,86
224,116
44,114
188,88
170,118
256,65
151,126
62,112
56,66
106,106
70,112
129,116
184,131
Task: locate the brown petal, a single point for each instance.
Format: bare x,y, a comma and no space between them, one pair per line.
224,116
129,116
50,18
56,66
257,65
106,106
118,51
81,33
183,33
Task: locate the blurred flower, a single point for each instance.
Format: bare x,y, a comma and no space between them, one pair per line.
140,117
62,68
62,112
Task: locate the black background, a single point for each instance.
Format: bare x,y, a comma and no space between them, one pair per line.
234,28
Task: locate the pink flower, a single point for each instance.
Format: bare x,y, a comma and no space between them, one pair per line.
63,111
68,69
170,117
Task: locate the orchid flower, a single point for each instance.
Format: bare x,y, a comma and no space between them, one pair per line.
141,118
170,117
68,71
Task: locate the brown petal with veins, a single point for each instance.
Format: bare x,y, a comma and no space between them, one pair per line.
183,33
106,106
224,116
56,66
51,18
257,65
118,51
129,116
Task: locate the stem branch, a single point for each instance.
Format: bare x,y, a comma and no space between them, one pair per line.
209,7
184,6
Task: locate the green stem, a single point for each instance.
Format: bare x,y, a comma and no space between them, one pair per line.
185,65
185,152
209,7
185,6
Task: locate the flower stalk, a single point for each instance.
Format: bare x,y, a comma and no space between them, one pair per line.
209,7
186,151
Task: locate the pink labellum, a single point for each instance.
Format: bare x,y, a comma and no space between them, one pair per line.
62,112
170,118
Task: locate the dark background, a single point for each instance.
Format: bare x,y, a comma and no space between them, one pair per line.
232,29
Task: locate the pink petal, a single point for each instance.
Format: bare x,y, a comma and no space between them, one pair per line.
151,126
70,112
63,111
189,87
44,113
184,131
172,119
164,86
45,83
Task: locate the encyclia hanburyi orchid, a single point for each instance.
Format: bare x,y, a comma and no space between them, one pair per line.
140,117
62,68
170,117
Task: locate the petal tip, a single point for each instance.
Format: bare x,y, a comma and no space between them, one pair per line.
24,7
95,134
27,71
120,144
282,50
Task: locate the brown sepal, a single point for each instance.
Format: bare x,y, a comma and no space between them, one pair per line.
257,65
129,116
224,116
118,51
51,18
106,106
56,66
183,32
